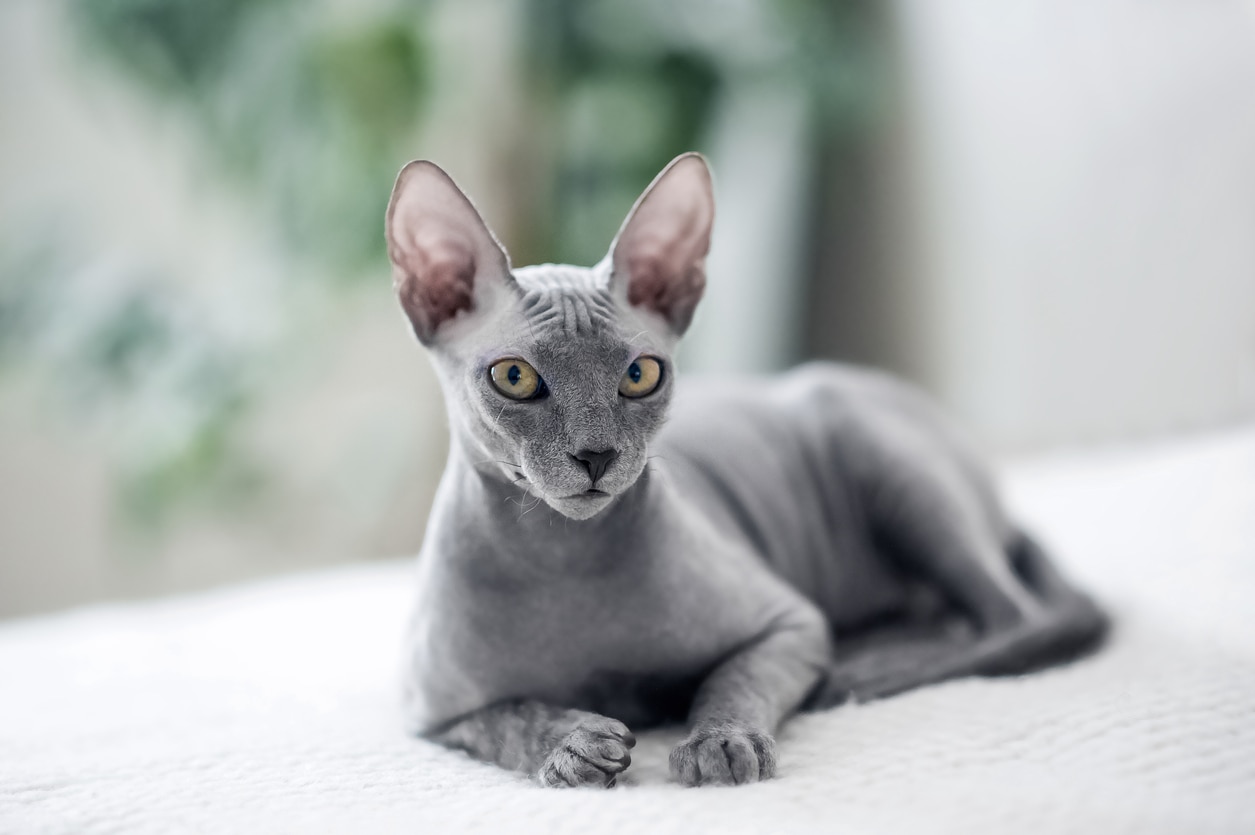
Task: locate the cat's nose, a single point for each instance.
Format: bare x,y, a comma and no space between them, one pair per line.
596,462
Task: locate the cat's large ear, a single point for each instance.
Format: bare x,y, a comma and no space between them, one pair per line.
659,255
445,261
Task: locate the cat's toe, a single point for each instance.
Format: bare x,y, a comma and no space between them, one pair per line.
564,768
724,755
591,755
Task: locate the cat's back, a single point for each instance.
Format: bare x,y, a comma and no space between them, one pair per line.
756,439
826,408
809,402
782,461
773,453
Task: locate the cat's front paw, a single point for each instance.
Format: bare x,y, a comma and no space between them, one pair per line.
591,755
724,754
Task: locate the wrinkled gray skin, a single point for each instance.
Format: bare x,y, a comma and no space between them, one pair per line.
758,544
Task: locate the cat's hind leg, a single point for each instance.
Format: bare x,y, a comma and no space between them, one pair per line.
1076,624
1067,625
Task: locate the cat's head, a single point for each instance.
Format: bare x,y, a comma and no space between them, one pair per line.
556,377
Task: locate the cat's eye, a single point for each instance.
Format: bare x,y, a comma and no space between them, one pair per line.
516,379
642,377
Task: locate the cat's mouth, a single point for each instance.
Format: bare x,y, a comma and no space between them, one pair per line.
583,505
591,493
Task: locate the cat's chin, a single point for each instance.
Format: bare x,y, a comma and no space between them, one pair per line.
582,506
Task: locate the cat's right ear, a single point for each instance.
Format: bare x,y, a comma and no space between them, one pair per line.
446,264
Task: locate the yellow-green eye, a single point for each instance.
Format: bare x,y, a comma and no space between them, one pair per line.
642,377
516,379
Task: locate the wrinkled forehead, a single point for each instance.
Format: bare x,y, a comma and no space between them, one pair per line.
566,300
569,316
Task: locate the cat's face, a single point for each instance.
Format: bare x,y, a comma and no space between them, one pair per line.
564,390
557,376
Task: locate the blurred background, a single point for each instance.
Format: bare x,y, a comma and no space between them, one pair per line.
1042,212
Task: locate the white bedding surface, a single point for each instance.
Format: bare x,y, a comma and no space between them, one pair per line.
272,707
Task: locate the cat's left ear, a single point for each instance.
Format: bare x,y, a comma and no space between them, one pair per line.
659,255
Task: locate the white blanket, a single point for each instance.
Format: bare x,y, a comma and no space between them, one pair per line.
273,707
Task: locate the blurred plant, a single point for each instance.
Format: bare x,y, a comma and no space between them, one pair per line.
127,359
306,108
634,84
304,111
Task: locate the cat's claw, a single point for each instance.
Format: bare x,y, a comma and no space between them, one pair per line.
594,754
727,754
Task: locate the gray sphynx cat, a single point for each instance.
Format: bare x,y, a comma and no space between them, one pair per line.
610,548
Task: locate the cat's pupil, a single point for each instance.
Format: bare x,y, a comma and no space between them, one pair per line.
634,371
513,375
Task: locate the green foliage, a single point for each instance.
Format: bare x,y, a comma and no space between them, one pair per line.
207,468
175,46
306,115
123,357
634,84
122,348
620,126
373,78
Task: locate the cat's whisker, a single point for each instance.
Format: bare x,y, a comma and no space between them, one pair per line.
519,500
535,505
499,461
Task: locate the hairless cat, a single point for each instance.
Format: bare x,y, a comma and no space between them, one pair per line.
610,548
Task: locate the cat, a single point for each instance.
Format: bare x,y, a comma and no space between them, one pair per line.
612,549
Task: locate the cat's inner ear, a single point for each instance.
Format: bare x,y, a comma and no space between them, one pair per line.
659,255
445,261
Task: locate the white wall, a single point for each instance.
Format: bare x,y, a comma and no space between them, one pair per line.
1084,212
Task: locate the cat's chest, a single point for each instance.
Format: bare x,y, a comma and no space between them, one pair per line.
634,619
645,632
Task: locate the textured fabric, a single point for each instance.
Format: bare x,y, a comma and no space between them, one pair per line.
273,707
